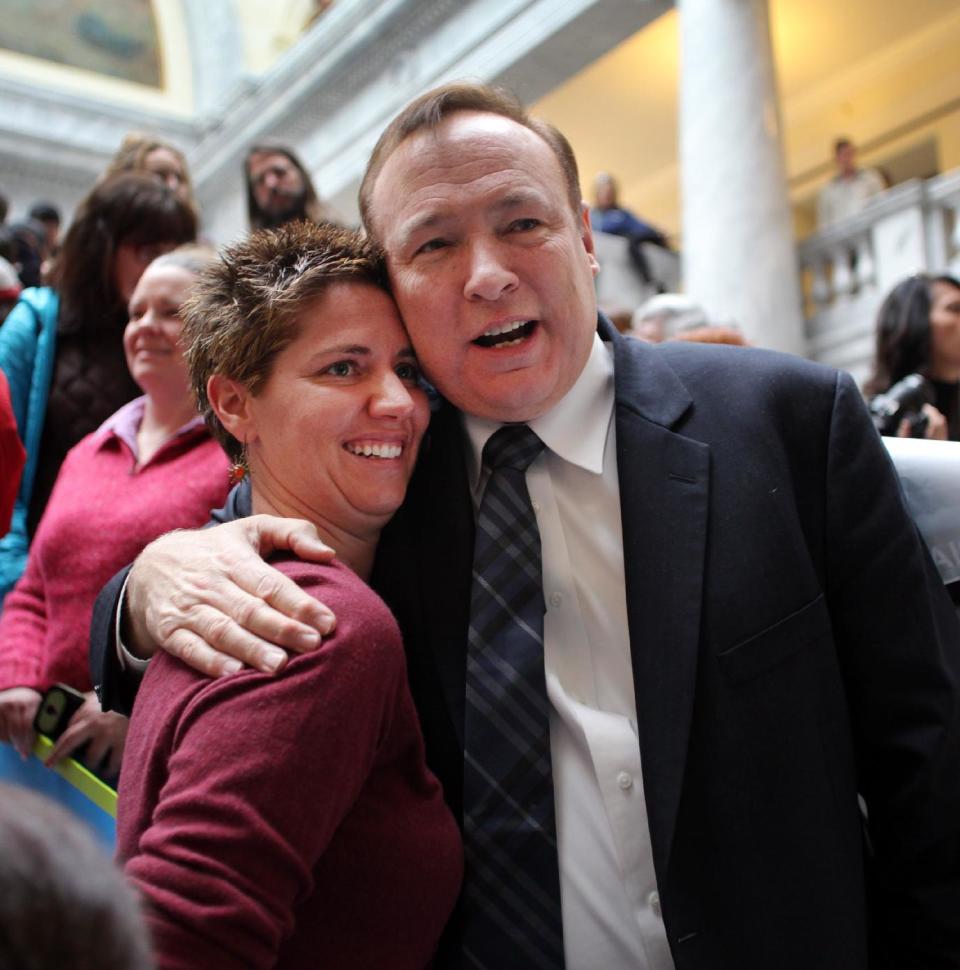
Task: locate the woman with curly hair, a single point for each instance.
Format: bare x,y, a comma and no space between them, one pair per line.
153,156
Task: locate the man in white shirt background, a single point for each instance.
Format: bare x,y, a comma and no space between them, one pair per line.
850,189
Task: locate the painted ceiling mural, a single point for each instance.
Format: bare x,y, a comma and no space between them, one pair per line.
116,39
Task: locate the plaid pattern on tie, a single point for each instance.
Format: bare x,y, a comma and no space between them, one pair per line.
511,900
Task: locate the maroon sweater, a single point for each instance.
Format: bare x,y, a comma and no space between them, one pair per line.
290,821
102,512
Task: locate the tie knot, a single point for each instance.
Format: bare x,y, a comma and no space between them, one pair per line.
512,446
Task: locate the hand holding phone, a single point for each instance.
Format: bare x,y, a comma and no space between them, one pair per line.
82,731
53,715
17,708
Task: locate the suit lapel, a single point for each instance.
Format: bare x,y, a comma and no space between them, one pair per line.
664,492
445,558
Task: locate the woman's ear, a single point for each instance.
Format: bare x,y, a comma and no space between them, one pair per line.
231,402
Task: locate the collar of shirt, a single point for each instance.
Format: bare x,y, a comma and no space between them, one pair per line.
575,428
125,423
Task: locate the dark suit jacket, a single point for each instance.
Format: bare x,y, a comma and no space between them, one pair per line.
792,647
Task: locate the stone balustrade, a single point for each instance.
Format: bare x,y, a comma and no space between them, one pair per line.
848,268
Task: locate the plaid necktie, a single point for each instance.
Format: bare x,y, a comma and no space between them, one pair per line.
511,902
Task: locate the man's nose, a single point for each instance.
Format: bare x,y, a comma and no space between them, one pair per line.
488,275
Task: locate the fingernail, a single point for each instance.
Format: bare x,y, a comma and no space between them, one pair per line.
326,623
308,639
232,666
273,660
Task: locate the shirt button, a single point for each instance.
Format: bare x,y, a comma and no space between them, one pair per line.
556,599
653,900
625,780
536,506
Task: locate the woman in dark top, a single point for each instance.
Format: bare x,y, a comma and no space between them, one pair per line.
291,821
61,347
918,332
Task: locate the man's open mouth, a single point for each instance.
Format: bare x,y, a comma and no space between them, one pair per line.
507,335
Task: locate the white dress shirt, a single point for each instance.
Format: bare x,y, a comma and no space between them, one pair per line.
611,910
844,196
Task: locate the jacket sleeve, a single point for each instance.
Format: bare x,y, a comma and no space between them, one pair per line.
18,346
899,647
115,686
12,456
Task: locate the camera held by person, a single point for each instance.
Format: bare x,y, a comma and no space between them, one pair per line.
903,402
918,334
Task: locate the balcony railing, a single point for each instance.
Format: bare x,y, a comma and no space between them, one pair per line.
848,268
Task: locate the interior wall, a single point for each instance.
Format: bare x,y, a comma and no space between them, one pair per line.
904,96
620,115
621,112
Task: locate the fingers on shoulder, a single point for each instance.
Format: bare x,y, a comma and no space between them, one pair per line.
198,654
297,535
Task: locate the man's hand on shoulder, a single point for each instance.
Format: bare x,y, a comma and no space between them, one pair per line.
207,596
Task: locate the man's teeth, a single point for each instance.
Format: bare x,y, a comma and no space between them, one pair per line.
376,451
507,335
506,328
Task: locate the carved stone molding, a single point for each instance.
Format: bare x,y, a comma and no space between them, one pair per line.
328,97
332,97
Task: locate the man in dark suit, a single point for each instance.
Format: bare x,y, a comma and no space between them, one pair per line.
743,631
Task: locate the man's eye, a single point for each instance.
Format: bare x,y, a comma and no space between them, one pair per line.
342,368
524,225
432,245
408,372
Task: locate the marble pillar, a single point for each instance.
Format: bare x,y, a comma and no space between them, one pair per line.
739,258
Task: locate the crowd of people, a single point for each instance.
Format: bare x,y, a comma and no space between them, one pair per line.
513,641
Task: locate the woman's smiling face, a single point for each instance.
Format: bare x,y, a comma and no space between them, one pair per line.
337,425
151,340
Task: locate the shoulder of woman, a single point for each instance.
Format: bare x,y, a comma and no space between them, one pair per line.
365,625
35,312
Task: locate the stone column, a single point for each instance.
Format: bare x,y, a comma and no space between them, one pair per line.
739,259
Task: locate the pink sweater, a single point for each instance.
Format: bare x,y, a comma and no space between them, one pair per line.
101,513
290,821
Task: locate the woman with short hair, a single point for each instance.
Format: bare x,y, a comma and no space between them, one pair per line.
291,821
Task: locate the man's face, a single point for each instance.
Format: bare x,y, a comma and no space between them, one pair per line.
278,187
492,270
846,159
